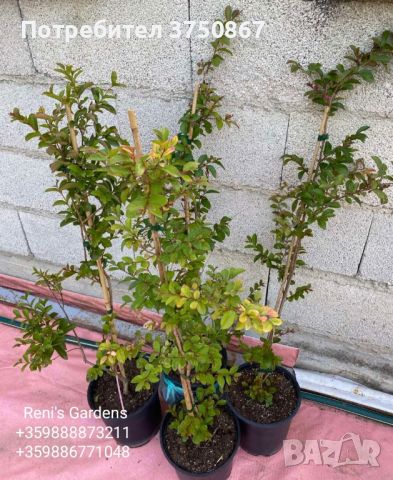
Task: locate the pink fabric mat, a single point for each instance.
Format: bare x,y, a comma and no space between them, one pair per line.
63,385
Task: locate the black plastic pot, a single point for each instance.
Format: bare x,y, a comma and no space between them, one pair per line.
171,389
265,438
220,473
139,427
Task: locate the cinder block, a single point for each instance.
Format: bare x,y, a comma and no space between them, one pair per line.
251,154
152,113
376,97
341,308
15,58
250,213
28,98
117,254
152,63
339,248
12,238
377,263
60,245
48,241
23,181
253,272
258,73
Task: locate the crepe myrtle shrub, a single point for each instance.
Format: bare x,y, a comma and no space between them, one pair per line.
171,173
166,228
87,195
170,249
44,333
92,193
334,176
198,121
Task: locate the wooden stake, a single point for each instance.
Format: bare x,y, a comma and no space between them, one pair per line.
186,384
135,133
296,242
318,146
70,118
186,204
152,219
193,110
101,271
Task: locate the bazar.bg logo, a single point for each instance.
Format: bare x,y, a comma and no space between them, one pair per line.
332,452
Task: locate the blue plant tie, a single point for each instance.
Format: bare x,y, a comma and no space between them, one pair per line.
172,393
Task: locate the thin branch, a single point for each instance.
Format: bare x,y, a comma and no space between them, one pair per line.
62,306
295,244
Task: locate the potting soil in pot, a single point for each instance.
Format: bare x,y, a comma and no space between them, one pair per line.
208,455
106,393
284,398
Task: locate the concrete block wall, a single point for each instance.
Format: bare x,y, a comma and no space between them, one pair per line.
348,318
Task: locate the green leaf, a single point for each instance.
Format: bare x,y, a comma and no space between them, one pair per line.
171,170
31,135
217,60
219,120
190,166
135,206
120,355
366,75
228,319
157,345
383,198
228,12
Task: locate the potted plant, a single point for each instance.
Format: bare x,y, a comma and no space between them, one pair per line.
176,240
266,397
97,173
88,194
199,436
